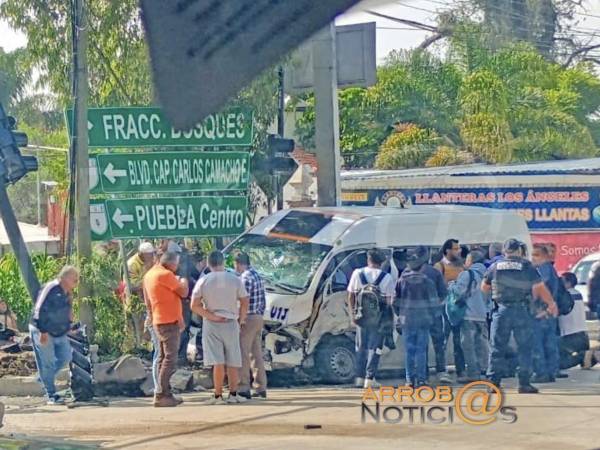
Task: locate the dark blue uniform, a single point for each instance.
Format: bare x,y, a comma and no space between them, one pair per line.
512,280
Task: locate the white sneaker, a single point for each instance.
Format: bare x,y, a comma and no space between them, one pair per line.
236,399
55,400
216,400
359,382
444,378
371,383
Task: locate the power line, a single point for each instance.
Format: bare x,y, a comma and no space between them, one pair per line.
516,16
536,42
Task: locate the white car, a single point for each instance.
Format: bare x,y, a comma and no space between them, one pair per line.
582,271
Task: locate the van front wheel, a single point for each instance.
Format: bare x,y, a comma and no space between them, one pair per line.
336,360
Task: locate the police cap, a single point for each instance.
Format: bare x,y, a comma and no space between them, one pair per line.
417,257
512,245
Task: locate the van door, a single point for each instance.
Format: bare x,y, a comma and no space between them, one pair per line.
330,312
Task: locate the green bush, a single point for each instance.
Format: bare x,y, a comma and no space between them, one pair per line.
102,273
12,288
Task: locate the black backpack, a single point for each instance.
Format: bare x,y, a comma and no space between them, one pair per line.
564,300
370,302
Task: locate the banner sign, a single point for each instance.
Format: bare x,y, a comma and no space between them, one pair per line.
168,217
544,208
148,127
570,247
119,173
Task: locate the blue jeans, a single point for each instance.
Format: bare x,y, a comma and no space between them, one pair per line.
50,358
459,357
546,350
515,319
475,345
438,339
155,355
369,345
416,341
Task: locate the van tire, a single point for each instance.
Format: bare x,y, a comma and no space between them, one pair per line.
336,360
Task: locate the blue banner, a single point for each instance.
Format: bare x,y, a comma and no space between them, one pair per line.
544,208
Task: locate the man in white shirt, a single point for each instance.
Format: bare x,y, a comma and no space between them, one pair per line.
221,299
369,341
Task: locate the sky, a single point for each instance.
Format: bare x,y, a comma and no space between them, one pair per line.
390,35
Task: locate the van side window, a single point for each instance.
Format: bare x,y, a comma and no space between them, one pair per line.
341,277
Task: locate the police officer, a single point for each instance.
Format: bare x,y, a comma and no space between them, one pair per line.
514,282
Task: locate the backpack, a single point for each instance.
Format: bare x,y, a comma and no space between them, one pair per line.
370,302
564,300
456,306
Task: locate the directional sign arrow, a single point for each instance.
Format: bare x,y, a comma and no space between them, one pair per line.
120,219
112,174
90,125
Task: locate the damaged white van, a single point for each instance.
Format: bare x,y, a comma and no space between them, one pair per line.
306,257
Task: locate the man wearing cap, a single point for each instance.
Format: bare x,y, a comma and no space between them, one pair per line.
138,265
513,282
416,299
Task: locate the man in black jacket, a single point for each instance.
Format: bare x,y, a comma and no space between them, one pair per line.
51,321
436,331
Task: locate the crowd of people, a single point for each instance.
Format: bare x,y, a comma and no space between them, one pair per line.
481,297
230,305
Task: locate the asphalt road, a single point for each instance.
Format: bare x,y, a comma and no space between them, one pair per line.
565,415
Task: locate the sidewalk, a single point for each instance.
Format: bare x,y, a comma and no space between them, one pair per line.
565,415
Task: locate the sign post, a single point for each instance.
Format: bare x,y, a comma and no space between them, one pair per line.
121,127
121,173
169,217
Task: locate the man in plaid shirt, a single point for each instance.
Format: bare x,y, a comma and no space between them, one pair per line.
251,331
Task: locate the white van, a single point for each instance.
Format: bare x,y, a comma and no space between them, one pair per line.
306,257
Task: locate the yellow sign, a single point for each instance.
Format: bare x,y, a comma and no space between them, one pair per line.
355,196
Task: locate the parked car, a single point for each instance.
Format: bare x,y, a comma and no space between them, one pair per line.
583,270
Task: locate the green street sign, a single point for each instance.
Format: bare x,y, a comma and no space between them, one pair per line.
168,217
120,173
148,127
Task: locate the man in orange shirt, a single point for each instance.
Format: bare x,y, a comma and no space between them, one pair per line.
163,294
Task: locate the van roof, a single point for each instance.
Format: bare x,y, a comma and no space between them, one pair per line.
391,227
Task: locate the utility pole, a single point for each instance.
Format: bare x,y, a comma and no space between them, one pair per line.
82,173
280,131
327,133
17,243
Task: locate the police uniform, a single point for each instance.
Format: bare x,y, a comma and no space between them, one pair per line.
512,280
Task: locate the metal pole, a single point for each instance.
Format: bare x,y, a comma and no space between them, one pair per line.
39,192
82,172
18,244
327,133
280,132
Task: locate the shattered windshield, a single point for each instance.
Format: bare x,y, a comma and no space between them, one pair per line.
284,264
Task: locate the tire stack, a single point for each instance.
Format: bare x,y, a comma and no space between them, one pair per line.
80,368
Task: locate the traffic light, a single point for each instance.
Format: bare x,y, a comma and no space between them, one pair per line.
280,161
13,165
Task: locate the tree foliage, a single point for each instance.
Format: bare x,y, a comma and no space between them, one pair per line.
118,64
495,105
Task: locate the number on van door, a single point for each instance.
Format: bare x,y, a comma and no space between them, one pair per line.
278,313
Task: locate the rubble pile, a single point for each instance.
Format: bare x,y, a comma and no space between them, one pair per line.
17,364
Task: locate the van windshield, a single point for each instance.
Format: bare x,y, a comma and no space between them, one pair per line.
284,264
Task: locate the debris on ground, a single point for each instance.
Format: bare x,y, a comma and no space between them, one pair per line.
182,380
17,364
